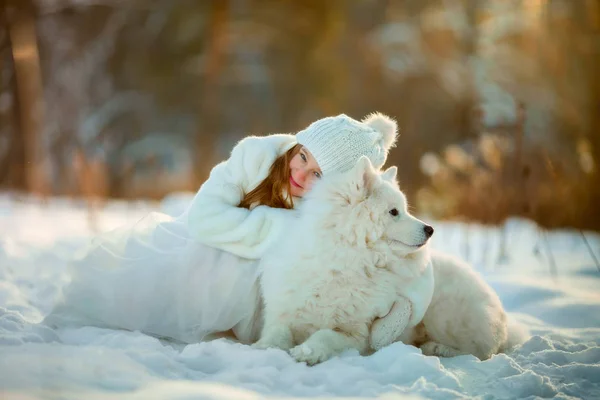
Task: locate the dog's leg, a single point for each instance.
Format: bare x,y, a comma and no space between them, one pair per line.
387,329
277,335
326,343
440,350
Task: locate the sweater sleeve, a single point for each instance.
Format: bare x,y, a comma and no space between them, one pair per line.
387,330
407,311
214,217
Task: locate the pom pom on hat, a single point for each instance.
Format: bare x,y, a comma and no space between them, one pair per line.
386,126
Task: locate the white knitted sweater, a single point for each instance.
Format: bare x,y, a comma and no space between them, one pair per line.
214,217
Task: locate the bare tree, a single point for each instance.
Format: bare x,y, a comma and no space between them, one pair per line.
20,19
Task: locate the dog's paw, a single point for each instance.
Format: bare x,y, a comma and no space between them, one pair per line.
309,355
263,345
439,350
270,344
279,337
430,349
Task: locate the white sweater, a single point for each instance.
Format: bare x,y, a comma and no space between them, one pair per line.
214,217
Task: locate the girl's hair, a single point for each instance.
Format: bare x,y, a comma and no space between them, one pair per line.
274,190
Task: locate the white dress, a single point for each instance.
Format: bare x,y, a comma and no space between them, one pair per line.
164,278
153,277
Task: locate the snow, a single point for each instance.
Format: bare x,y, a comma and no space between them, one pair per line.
548,281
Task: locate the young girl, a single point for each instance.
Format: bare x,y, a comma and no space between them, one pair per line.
194,276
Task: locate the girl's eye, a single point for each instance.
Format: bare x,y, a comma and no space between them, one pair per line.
394,212
317,174
303,157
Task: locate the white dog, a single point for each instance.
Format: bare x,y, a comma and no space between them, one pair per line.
353,252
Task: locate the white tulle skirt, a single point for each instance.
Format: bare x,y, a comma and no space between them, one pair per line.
154,278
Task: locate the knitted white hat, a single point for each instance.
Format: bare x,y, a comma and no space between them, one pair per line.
338,142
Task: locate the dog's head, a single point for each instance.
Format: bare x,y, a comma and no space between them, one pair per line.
366,206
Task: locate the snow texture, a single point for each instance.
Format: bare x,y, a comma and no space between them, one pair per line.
546,280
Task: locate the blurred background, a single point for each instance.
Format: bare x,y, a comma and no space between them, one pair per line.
498,101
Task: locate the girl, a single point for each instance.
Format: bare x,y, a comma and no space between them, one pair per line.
191,277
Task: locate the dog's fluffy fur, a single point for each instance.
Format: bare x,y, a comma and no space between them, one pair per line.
342,264
465,315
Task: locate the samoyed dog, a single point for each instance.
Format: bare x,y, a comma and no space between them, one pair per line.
354,272
352,253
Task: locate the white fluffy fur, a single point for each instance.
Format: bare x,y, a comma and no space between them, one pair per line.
465,315
384,125
342,265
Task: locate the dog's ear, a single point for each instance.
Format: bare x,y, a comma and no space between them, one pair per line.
363,164
390,174
365,173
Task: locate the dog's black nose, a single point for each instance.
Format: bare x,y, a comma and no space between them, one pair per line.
428,230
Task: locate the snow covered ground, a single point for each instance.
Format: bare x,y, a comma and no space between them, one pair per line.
547,280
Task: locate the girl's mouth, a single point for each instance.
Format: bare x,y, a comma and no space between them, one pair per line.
294,183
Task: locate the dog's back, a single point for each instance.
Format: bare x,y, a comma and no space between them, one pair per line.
465,313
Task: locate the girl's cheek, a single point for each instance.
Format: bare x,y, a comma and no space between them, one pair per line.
309,182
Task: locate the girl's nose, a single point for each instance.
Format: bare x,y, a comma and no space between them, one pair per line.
301,176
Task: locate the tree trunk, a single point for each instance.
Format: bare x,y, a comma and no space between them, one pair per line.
208,113
21,27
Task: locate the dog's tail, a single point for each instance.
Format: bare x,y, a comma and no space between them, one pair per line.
517,334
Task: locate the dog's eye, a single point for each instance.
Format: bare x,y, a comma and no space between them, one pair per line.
394,212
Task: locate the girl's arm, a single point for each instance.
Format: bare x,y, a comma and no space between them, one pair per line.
386,330
214,217
408,310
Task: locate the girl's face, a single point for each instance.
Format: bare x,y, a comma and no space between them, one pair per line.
304,170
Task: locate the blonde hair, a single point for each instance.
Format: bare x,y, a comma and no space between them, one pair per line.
274,190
